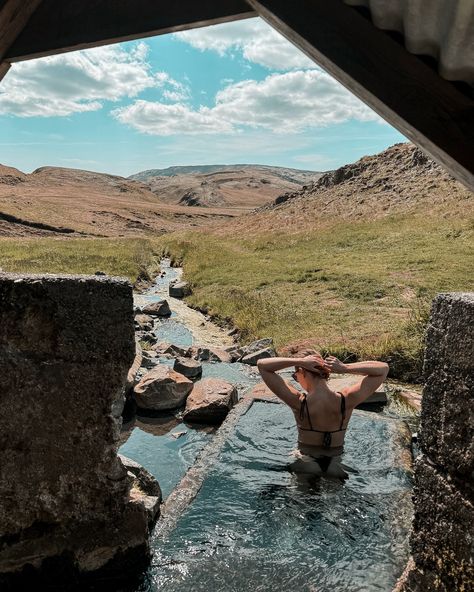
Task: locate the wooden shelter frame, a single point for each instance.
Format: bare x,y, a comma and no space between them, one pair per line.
404,89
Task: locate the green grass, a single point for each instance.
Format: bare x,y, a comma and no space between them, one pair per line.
357,289
131,258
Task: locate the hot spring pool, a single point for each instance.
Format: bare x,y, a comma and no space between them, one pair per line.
256,526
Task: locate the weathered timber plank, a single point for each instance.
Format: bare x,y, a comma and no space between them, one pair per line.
4,67
14,14
60,26
397,85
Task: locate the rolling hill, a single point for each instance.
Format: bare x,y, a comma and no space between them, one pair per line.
240,188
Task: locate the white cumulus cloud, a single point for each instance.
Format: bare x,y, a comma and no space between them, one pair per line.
258,42
77,82
283,103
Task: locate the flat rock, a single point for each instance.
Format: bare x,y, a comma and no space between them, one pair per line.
179,289
188,367
253,358
210,401
162,388
157,309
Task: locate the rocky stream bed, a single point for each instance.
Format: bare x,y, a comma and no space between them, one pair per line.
234,517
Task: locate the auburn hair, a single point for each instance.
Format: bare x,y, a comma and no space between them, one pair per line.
321,371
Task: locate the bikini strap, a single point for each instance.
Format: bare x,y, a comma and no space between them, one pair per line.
303,406
343,410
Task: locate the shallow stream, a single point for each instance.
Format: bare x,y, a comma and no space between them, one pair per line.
252,524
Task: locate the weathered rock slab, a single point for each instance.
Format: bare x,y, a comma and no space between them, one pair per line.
161,389
210,401
66,347
447,414
443,532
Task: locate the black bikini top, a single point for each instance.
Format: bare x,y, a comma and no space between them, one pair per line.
327,434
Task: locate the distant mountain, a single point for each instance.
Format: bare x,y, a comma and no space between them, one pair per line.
284,172
241,187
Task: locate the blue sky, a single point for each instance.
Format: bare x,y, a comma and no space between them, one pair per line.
232,93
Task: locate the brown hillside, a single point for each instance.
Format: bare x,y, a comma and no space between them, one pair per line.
400,180
58,201
239,189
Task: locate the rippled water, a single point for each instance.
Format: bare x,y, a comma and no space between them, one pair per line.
256,526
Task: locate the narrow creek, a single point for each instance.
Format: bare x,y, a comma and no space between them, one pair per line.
251,524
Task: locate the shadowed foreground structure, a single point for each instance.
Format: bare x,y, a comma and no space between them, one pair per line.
443,527
66,507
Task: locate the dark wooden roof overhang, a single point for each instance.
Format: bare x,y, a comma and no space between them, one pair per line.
432,112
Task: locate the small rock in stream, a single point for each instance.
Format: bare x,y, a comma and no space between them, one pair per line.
158,309
144,322
165,348
162,388
179,289
188,367
210,401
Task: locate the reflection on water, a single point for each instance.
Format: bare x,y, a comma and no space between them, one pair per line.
256,526
160,445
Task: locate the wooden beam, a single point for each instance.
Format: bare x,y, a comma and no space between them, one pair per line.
396,84
4,67
66,25
14,14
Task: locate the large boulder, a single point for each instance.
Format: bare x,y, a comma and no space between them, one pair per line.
253,358
162,388
157,309
210,401
188,367
179,289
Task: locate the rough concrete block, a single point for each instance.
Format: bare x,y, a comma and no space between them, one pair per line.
66,345
447,414
442,538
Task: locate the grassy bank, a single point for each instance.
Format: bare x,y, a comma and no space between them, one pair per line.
131,258
356,289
